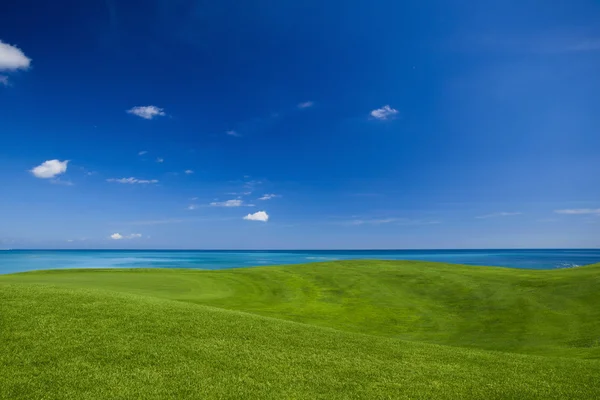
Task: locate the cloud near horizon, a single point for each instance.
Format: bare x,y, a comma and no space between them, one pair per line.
579,211
372,221
391,220
50,169
118,236
498,214
132,180
261,216
147,112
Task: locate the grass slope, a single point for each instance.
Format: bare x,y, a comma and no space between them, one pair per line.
235,333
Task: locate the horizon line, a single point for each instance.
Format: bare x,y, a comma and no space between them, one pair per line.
332,249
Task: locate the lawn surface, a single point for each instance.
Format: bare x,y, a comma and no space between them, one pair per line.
348,329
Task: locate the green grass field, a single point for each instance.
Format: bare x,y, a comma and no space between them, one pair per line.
339,330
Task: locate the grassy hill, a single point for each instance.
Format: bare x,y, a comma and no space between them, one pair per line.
349,329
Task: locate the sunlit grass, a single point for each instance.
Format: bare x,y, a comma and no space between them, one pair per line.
353,329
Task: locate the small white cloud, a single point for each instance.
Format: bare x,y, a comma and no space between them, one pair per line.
118,236
141,153
188,171
147,112
383,113
160,160
498,214
579,211
228,203
4,80
50,169
192,207
261,216
233,133
132,180
306,104
12,58
268,196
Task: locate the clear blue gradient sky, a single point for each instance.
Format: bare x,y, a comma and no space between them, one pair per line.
349,124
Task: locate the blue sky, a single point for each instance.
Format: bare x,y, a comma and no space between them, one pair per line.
270,125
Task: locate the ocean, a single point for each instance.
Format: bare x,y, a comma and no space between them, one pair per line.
29,260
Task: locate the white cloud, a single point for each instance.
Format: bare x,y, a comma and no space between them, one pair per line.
118,236
579,211
50,169
147,112
268,196
132,180
233,133
383,113
4,80
306,104
261,216
188,171
192,207
141,153
228,203
498,214
160,160
12,58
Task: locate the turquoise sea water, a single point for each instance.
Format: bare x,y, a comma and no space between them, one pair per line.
28,260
